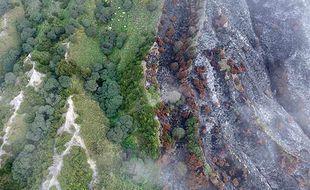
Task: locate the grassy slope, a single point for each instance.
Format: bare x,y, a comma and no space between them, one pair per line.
135,22
11,40
76,173
106,154
85,51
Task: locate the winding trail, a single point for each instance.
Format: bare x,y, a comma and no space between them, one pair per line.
67,46
16,102
34,81
3,30
76,140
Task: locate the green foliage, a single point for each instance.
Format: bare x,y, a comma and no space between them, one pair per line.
22,164
42,57
10,78
127,5
120,40
192,137
151,5
91,85
6,179
65,81
131,142
103,12
109,97
8,61
51,85
76,173
68,68
4,6
178,133
41,124
121,129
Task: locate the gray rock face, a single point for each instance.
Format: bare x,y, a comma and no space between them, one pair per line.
260,119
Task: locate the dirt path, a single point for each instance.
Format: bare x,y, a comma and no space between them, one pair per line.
3,30
76,140
16,102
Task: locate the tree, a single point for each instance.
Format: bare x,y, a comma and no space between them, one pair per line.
91,85
103,14
107,48
125,123
91,31
38,128
120,40
69,29
27,33
21,169
127,4
85,23
151,5
65,81
178,133
42,57
4,5
97,67
10,78
116,135
67,68
109,97
51,85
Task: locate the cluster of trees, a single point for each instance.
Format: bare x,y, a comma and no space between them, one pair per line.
121,129
33,11
127,5
152,5
102,83
77,9
111,39
7,62
22,165
129,78
43,41
41,123
27,34
104,12
90,29
4,5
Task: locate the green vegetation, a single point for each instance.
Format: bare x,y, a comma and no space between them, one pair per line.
101,67
192,136
76,173
85,51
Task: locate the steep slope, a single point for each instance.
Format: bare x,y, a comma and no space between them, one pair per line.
246,83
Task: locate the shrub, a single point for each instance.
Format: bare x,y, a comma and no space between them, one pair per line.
178,133
42,57
91,31
10,78
91,85
65,81
127,4
151,5
120,40
107,48
103,14
22,164
66,68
